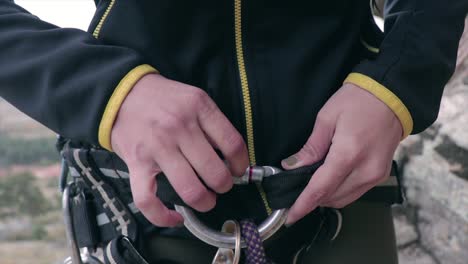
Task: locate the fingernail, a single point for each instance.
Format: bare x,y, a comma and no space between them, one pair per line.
289,222
291,161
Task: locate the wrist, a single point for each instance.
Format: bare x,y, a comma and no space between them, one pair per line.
116,100
387,97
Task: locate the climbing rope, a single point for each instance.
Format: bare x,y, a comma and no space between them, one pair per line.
254,252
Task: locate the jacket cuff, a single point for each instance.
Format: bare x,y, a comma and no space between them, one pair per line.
116,100
386,96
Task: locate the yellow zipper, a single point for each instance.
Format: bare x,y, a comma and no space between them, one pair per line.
246,94
97,30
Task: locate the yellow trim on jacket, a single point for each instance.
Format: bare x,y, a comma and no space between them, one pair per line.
116,100
386,96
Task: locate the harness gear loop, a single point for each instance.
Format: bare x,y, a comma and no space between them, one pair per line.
227,255
223,240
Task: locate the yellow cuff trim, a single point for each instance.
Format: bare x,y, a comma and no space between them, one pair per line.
116,100
386,96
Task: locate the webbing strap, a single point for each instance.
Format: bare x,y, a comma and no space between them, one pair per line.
117,213
282,189
121,251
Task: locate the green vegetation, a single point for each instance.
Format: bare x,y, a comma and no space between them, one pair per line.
27,151
38,232
20,195
31,224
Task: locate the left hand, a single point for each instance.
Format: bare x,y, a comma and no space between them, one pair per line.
357,135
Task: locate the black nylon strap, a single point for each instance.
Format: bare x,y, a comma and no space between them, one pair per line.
84,218
282,189
122,251
166,192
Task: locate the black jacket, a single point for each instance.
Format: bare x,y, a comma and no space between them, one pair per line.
269,65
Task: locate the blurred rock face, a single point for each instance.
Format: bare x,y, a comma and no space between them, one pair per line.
433,227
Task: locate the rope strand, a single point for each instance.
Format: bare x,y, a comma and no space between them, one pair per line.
254,252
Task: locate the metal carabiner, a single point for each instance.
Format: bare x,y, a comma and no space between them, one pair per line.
223,240
227,255
70,232
78,256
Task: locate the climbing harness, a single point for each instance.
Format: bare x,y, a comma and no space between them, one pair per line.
104,226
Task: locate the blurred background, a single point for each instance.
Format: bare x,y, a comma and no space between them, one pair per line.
432,228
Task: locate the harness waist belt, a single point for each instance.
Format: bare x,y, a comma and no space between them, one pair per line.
282,189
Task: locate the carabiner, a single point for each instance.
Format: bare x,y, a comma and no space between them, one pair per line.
255,174
227,255
70,232
222,240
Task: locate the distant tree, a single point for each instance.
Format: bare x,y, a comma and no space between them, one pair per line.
27,151
20,195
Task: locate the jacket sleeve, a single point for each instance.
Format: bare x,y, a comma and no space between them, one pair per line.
64,78
415,59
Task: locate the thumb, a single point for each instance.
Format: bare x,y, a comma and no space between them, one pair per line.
316,147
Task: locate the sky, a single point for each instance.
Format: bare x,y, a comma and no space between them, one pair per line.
63,13
69,13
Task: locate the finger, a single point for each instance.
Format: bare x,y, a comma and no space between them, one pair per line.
223,134
183,179
143,185
201,155
316,146
337,166
349,198
366,176
355,193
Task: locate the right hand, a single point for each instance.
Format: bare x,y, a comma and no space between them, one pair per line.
167,126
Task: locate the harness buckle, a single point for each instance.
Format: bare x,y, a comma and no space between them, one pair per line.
224,240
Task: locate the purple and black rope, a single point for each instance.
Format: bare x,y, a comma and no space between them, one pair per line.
254,252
